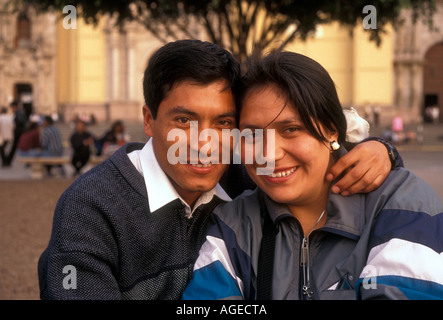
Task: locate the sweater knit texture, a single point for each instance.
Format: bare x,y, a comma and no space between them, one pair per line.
107,244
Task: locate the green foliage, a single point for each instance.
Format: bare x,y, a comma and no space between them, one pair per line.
234,24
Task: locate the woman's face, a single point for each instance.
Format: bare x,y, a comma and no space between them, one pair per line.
301,161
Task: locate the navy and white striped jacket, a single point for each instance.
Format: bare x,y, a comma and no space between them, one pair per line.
385,244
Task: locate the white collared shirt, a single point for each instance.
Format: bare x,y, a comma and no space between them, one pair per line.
160,189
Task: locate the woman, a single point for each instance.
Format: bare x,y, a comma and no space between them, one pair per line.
113,139
317,245
29,143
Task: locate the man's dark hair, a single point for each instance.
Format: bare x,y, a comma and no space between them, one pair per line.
199,61
49,120
304,83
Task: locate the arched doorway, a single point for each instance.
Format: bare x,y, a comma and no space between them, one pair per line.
433,83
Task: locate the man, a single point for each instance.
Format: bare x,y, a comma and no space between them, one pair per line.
131,228
19,127
51,143
51,139
6,133
81,141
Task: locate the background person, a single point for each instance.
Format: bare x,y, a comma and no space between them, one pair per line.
51,143
6,134
113,139
20,122
29,144
51,139
81,142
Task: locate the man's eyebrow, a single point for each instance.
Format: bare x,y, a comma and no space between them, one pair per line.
182,110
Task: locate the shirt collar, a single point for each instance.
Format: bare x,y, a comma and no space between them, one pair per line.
159,187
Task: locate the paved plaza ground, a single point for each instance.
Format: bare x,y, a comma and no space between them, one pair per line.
27,206
25,218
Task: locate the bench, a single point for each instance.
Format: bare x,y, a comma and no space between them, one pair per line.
95,160
38,163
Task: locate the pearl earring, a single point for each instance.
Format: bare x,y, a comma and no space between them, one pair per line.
334,145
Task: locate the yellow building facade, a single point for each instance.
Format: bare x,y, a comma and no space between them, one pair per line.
362,72
81,64
81,69
100,70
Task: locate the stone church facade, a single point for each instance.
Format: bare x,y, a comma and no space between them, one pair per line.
418,67
28,59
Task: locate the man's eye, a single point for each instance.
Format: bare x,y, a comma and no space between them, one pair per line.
183,120
225,123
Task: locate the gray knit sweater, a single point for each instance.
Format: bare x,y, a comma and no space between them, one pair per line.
106,244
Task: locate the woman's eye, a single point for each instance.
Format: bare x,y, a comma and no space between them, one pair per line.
291,129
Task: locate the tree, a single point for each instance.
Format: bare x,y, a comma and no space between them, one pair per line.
240,25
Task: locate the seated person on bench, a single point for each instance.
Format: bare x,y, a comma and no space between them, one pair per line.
29,143
48,143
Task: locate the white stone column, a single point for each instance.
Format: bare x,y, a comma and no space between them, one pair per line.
417,87
130,66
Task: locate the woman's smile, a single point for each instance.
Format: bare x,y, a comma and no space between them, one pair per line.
281,175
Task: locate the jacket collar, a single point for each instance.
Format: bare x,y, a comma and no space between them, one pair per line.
345,215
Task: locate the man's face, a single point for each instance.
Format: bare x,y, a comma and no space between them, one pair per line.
212,106
80,127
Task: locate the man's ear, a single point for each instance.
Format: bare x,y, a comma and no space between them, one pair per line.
148,121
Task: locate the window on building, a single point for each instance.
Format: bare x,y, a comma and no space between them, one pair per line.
23,39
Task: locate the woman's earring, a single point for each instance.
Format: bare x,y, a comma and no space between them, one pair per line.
334,145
